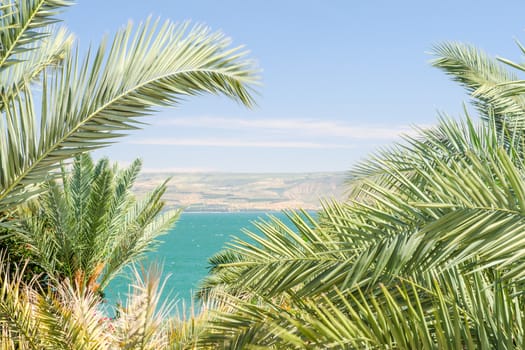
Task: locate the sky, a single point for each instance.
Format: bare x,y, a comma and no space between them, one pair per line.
340,79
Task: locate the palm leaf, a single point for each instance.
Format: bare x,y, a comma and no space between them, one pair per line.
425,225
46,53
479,74
91,226
22,26
454,311
86,104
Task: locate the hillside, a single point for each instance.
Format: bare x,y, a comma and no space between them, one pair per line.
240,192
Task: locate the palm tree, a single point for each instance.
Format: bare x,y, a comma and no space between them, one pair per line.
427,252
91,225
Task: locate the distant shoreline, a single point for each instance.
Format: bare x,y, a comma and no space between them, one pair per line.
245,192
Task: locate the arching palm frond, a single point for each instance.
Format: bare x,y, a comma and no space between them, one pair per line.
478,73
458,219
464,211
427,252
448,141
47,53
500,106
87,103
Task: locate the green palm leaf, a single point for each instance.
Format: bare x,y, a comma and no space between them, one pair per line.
92,225
87,104
454,311
21,27
46,53
436,223
427,252
478,73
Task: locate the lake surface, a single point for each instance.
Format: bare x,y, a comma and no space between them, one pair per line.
185,250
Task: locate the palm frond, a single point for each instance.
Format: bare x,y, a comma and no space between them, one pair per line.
140,322
464,213
47,53
91,226
85,105
449,140
454,311
427,252
71,319
479,74
23,25
16,315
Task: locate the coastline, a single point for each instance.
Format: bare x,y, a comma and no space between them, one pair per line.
250,192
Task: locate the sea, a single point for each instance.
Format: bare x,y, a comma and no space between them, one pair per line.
184,250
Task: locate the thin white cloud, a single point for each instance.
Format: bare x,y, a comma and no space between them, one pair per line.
178,170
326,128
211,142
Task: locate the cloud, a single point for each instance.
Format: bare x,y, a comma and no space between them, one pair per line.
178,170
319,128
212,142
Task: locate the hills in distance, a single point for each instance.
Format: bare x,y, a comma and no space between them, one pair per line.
245,191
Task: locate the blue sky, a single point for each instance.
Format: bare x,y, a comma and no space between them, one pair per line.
340,78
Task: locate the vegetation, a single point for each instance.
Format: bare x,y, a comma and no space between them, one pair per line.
426,253
91,226
87,102
84,103
72,319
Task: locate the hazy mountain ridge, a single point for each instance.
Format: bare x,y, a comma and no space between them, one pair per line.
240,191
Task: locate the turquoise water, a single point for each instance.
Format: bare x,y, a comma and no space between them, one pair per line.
185,250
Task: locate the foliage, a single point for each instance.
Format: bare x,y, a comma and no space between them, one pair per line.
91,225
65,317
87,102
427,252
84,102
